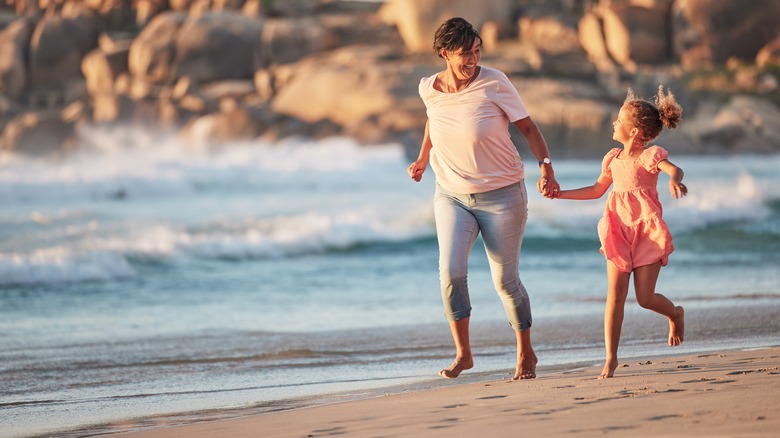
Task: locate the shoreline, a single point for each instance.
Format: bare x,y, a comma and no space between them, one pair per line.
722,392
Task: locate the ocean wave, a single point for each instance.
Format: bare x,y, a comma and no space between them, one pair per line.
60,265
121,163
311,232
98,252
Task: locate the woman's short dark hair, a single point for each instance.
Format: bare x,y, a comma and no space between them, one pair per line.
455,33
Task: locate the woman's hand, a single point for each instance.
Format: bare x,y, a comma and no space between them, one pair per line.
548,187
416,170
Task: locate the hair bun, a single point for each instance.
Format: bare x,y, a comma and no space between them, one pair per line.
668,108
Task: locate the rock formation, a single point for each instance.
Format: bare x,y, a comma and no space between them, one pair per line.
225,70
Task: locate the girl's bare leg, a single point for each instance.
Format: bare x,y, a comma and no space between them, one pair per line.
526,358
645,278
613,316
463,358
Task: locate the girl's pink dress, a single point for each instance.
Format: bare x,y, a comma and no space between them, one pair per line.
631,230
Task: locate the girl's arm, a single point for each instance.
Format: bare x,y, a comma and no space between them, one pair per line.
547,184
417,168
595,191
676,187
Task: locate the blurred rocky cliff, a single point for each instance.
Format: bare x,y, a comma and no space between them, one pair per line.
222,70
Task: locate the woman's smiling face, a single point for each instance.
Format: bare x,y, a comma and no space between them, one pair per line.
464,62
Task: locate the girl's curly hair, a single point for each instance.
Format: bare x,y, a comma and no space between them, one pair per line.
651,116
455,33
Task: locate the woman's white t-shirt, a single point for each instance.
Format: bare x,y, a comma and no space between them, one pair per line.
472,151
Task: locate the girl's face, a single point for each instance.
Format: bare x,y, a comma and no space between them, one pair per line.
624,128
464,62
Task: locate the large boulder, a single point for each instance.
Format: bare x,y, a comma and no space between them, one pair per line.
235,124
626,33
769,55
417,21
230,124
38,133
217,46
550,33
115,14
146,10
58,44
153,50
102,68
746,123
14,49
591,33
285,40
363,89
550,45
320,89
712,31
636,34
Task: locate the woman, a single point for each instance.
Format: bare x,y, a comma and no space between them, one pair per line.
479,184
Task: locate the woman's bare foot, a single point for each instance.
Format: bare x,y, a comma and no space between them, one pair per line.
457,367
526,368
609,369
677,328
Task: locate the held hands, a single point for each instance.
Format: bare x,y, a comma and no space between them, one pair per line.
415,170
548,187
677,189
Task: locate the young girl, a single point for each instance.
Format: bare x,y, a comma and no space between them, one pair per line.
634,238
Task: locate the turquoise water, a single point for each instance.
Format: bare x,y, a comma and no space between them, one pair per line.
145,278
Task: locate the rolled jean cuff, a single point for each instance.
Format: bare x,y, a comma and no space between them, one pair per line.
523,325
457,316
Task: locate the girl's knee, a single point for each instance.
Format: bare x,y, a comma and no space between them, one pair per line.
645,300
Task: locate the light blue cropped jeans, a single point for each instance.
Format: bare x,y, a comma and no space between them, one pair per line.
500,216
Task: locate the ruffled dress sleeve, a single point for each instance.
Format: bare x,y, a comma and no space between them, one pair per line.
605,169
652,156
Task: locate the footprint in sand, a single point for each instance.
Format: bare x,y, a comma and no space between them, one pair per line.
664,417
703,379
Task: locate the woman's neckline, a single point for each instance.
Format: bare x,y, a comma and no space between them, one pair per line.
469,84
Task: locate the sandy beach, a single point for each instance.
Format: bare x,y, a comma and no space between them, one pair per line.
730,393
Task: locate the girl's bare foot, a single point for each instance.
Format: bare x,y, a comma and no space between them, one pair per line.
457,367
526,368
677,328
609,369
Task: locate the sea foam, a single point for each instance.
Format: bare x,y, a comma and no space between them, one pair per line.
133,195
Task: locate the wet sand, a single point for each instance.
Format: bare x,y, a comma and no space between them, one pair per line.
729,393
